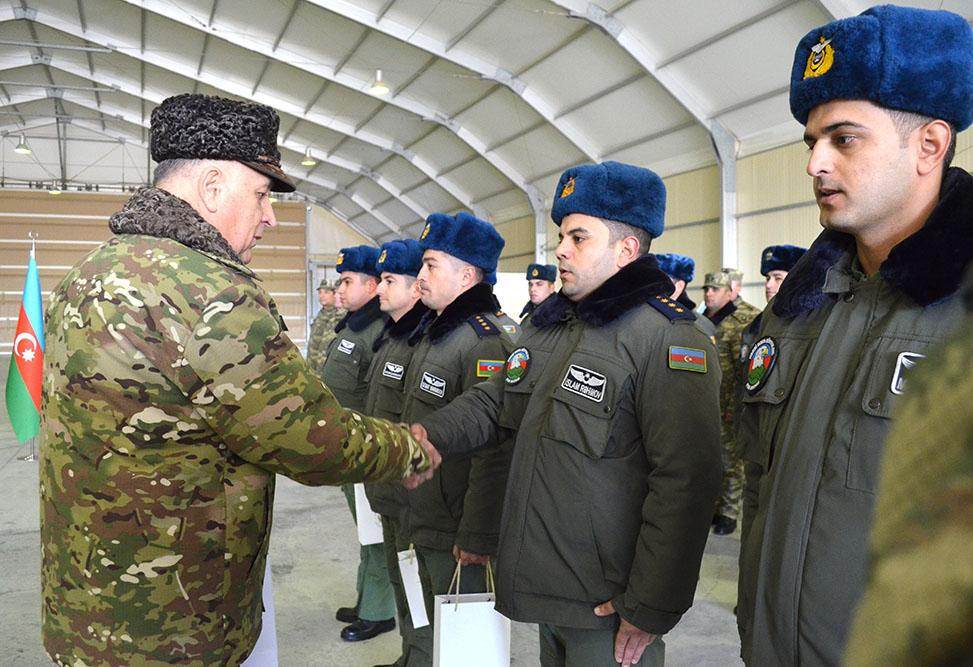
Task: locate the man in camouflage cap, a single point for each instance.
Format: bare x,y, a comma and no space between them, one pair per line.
730,322
322,328
172,397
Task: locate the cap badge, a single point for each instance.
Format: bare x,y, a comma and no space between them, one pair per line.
425,232
535,273
568,188
821,58
381,258
341,258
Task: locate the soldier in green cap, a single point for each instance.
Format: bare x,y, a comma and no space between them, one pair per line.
322,327
172,398
345,369
731,321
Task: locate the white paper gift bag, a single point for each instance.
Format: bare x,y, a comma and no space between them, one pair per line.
409,571
468,631
369,523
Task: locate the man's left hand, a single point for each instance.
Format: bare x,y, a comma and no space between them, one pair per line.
468,557
630,642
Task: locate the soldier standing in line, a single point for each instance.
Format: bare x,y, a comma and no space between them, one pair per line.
172,397
730,322
459,343
612,401
681,271
322,328
882,96
745,308
345,370
398,293
540,285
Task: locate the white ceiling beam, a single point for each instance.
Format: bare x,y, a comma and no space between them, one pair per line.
138,92
544,107
188,71
297,60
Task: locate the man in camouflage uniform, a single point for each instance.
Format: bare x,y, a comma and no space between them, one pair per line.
322,328
172,396
730,322
398,293
736,284
459,343
917,608
345,368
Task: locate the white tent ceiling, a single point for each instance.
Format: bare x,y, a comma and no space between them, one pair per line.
489,101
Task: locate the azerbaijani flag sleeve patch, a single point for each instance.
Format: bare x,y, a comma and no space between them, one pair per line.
687,359
487,367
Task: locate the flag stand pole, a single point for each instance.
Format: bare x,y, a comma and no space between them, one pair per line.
30,455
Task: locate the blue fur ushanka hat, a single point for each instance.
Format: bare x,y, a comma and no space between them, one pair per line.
360,259
780,258
205,127
612,191
546,272
465,237
916,60
403,256
677,266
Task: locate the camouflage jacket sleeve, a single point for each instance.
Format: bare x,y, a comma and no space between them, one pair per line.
479,528
256,390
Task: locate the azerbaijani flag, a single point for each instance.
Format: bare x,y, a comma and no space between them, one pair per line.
687,359
23,396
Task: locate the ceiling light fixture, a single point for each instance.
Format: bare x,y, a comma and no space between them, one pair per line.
22,147
308,160
379,87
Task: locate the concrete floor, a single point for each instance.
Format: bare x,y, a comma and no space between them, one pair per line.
314,551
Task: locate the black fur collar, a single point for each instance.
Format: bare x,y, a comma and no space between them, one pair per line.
405,325
158,213
634,284
928,266
477,299
361,318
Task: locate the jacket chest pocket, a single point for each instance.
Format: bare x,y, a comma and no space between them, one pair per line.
584,404
516,395
892,362
390,382
782,363
343,369
434,387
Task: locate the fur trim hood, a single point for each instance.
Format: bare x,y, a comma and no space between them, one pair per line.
475,300
927,266
633,285
361,318
155,212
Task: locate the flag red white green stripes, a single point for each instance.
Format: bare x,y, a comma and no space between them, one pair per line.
23,394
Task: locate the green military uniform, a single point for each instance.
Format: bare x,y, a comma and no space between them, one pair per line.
509,325
320,337
386,376
172,396
345,369
824,379
917,608
731,322
462,503
613,404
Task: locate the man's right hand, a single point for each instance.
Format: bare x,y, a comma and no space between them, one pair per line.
415,479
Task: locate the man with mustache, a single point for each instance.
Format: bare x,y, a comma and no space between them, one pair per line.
882,96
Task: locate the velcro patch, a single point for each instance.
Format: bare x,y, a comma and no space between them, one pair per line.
433,385
346,346
486,368
394,371
687,359
584,382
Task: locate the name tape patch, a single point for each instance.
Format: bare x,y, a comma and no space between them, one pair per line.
346,346
433,385
584,382
394,371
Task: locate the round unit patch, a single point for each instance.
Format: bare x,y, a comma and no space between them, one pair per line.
762,358
517,364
